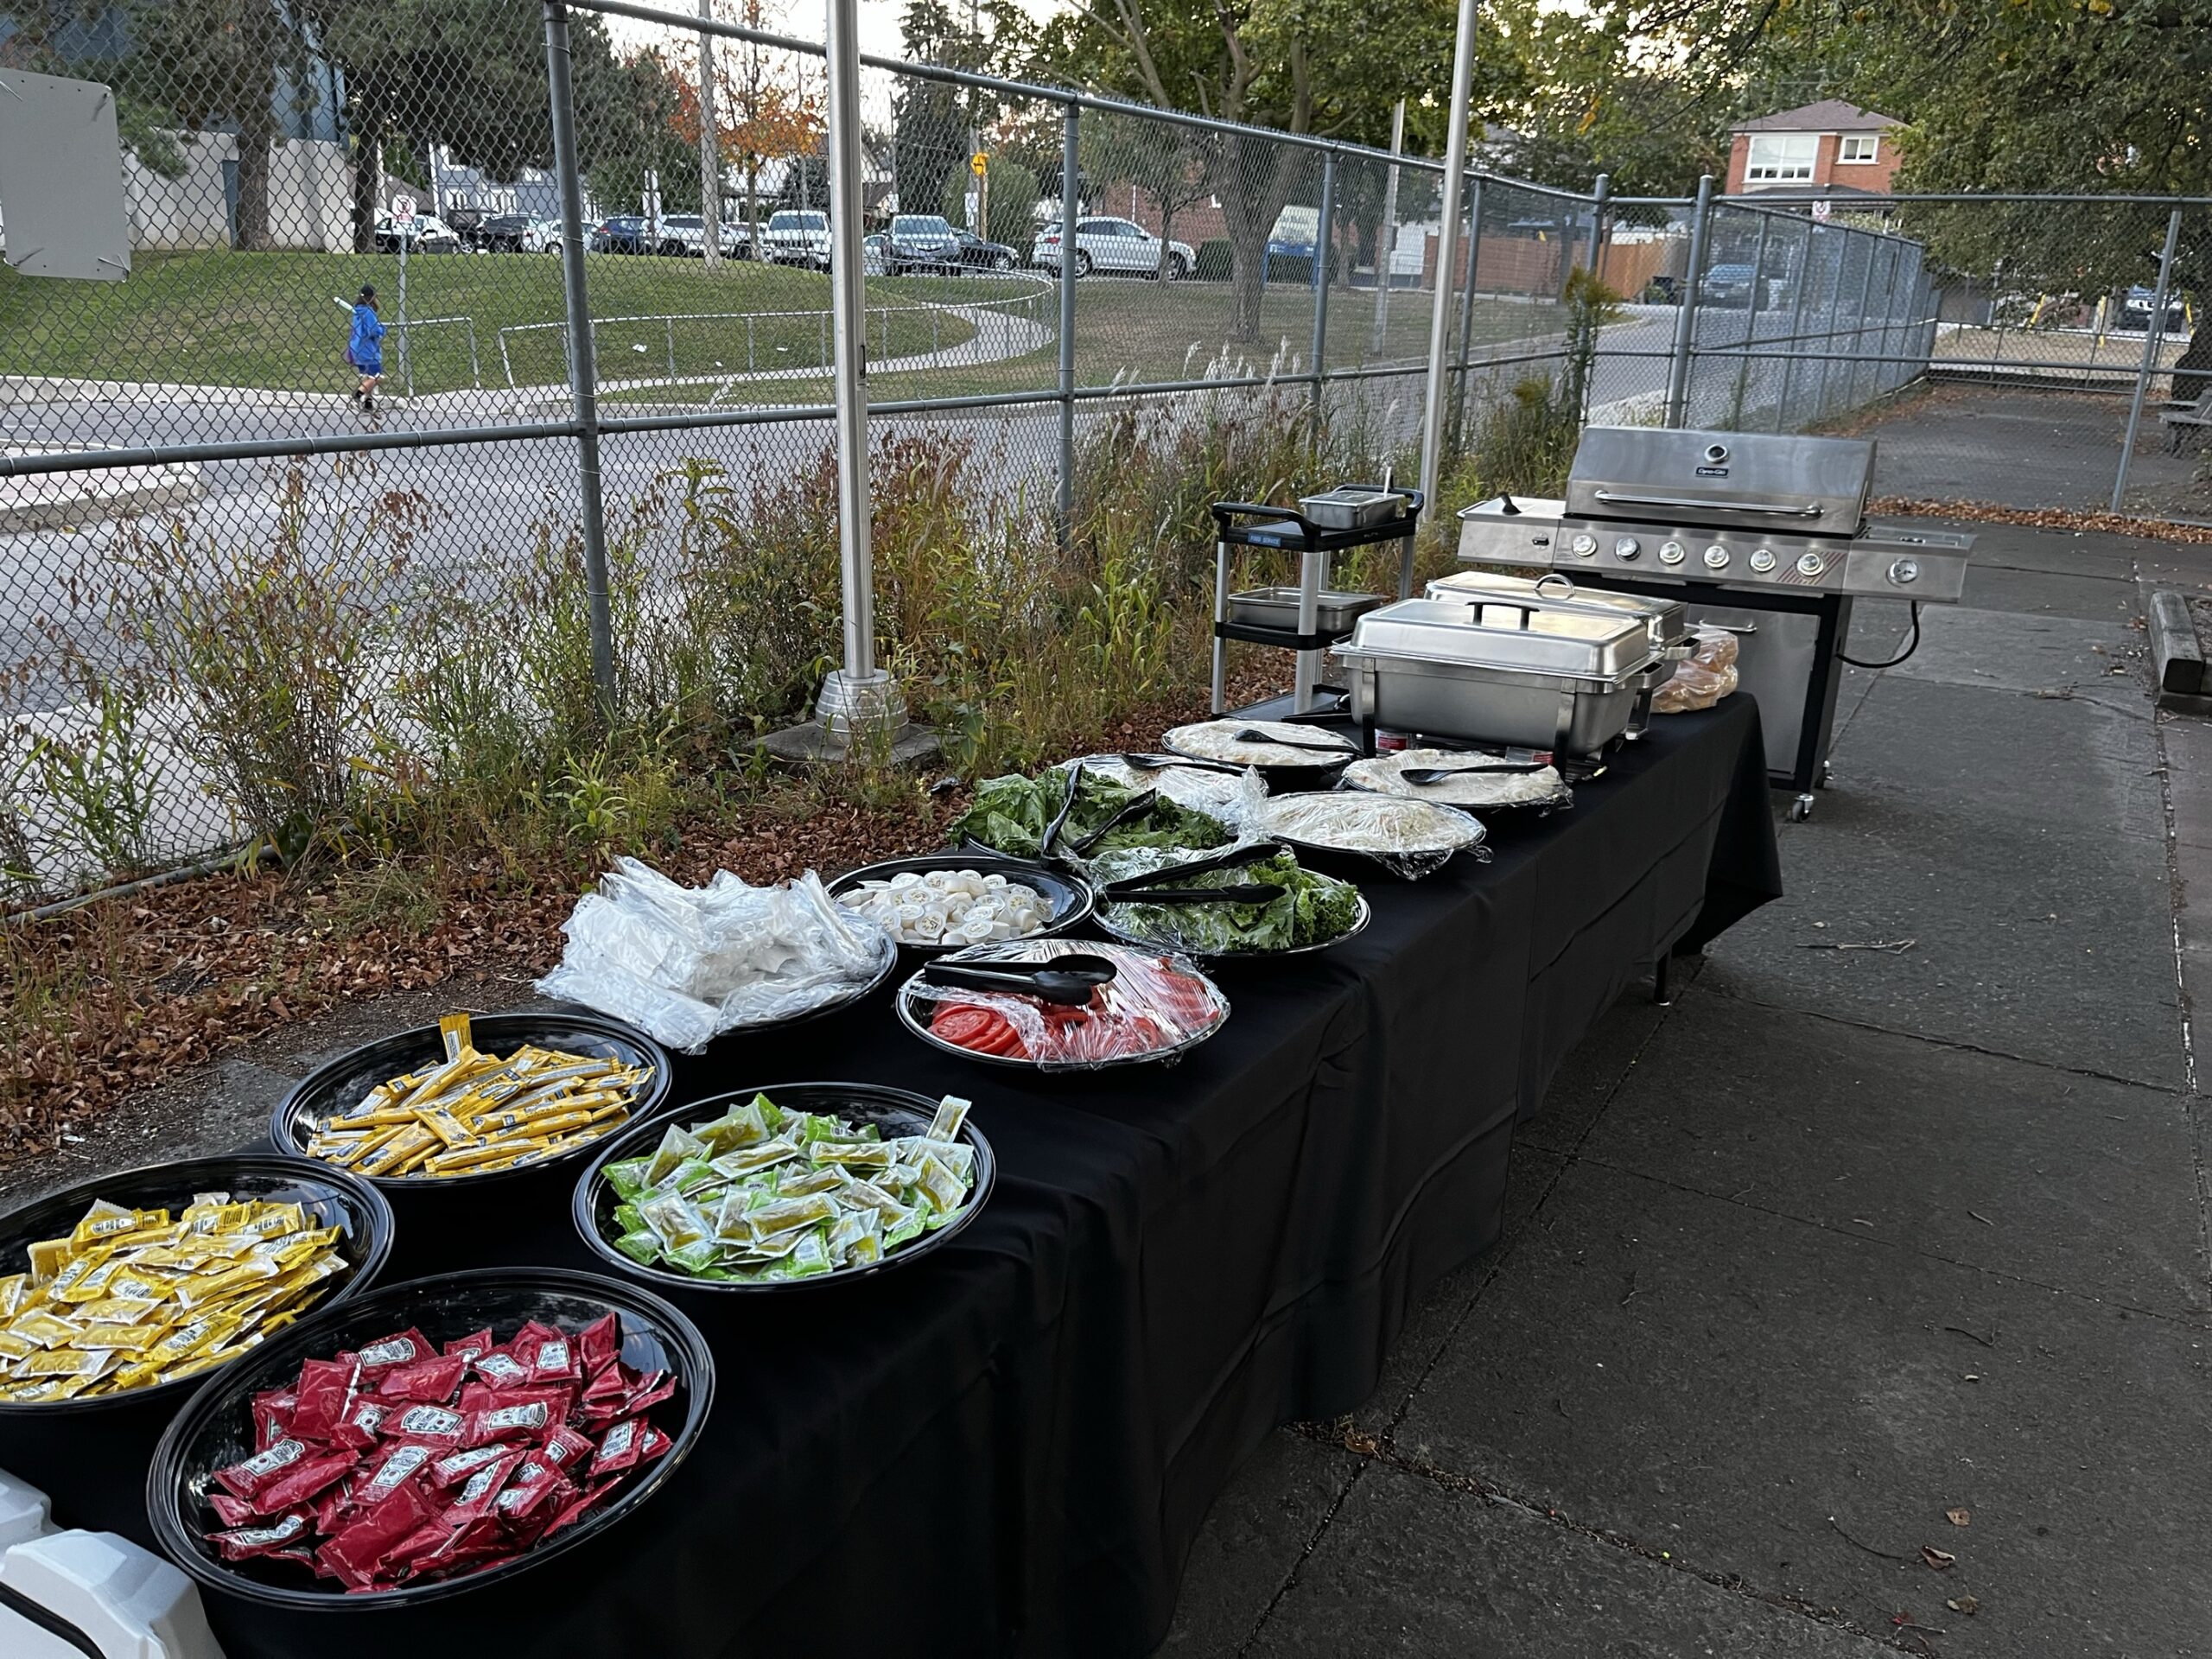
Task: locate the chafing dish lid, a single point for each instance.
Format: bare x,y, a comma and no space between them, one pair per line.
1669,619
1506,633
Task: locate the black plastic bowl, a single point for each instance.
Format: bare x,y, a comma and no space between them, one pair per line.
86,1454
1070,895
895,1111
458,1221
216,1429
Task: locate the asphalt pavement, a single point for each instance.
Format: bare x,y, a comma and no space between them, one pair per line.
1857,1302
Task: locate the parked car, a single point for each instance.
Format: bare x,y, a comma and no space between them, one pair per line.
1727,286
1114,245
502,232
977,254
2135,311
923,242
875,255
426,233
797,237
685,234
542,236
624,233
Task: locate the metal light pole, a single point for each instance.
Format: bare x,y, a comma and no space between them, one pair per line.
1386,256
1447,250
859,696
710,149
583,367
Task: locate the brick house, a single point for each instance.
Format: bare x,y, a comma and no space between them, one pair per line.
1830,146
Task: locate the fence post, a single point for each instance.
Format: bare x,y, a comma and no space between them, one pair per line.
668,323
1678,366
1600,194
1881,365
1324,238
710,150
1467,318
2154,337
1071,182
1750,322
583,370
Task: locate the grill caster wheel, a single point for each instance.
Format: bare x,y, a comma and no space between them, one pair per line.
1828,773
1801,809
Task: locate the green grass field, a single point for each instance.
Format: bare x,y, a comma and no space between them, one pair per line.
267,320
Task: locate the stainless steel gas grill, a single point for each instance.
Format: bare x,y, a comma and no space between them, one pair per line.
1764,535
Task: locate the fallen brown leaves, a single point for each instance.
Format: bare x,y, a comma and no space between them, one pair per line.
1990,512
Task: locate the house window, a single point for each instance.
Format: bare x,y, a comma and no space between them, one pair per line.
1859,147
1782,156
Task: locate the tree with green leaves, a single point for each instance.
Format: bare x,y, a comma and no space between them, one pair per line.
1169,163
2090,96
1331,67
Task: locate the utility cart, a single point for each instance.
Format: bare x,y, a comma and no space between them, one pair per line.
1309,618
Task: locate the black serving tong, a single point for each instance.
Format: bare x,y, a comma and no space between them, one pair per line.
1070,980
1256,852
1419,776
1135,809
1334,751
1161,762
1052,830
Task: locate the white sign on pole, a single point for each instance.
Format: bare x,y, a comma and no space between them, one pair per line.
403,210
1821,211
61,178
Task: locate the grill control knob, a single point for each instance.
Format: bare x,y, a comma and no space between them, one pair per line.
1811,565
1904,571
1584,545
1716,557
1762,560
1671,553
1626,547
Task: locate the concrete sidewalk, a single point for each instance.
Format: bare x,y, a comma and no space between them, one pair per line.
1853,1253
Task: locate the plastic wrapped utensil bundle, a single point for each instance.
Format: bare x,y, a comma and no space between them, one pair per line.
686,965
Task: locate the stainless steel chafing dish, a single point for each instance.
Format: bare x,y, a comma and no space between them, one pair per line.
1512,669
1666,620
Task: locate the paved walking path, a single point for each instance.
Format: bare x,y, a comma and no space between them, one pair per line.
1843,1241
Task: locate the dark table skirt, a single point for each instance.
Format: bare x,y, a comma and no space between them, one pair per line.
1009,1448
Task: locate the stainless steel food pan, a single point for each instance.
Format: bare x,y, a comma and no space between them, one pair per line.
1277,607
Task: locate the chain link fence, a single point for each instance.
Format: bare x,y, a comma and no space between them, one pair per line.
294,513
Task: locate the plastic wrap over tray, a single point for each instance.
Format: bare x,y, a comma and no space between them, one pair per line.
689,963
1201,789
1478,789
1157,1006
1410,839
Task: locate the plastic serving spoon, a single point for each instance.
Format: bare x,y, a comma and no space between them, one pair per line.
1418,776
1253,734
1070,979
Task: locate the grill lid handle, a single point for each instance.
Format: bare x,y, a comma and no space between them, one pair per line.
1781,509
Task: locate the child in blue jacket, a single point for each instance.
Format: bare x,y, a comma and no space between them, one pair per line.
365,350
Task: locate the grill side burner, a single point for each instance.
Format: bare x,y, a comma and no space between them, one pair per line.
1773,529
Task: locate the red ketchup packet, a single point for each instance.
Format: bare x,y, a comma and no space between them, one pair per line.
402,1348
598,1343
272,1416
356,1551
550,1354
471,1346
326,1389
430,1381
287,1532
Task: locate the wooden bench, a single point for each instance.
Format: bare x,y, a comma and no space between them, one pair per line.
2182,419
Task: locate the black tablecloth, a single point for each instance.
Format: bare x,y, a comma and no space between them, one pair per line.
1009,1447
